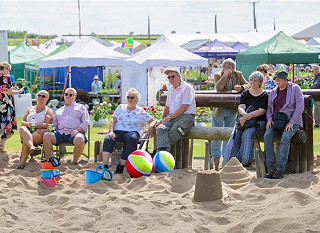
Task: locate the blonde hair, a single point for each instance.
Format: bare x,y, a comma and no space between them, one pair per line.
135,92
5,65
46,93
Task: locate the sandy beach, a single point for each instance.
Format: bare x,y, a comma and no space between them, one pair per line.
162,202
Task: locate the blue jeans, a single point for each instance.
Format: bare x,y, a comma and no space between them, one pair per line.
226,118
240,144
283,148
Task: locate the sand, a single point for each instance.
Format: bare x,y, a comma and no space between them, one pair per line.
162,202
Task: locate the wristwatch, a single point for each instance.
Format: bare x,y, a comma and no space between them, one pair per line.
169,116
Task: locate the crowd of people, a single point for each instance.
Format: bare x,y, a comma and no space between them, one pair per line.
257,114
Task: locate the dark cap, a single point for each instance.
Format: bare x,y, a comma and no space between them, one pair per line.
281,74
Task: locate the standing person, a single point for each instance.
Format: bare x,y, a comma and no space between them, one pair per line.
127,125
286,99
226,80
316,85
179,112
8,123
96,85
117,83
268,82
240,144
43,116
163,88
70,123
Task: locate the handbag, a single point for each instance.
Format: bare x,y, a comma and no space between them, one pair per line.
249,123
280,118
280,121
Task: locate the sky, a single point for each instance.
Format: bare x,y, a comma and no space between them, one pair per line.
114,17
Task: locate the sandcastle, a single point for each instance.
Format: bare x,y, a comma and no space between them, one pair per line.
208,186
234,174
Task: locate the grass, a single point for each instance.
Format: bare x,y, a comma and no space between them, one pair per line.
13,144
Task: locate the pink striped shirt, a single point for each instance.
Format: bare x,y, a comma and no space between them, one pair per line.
183,94
68,118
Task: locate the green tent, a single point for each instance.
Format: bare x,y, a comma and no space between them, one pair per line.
280,49
35,63
18,58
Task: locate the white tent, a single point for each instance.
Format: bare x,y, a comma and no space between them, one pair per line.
163,53
86,52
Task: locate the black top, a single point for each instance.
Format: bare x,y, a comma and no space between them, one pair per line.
260,101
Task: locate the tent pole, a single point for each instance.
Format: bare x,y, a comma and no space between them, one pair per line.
70,77
147,87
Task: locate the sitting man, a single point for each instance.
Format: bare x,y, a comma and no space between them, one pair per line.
70,123
286,98
179,112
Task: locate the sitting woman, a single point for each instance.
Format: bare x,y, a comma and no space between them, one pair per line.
268,82
127,125
253,104
42,116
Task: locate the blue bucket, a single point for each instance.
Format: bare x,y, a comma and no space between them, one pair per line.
94,176
49,173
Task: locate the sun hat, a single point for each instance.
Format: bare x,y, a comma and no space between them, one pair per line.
96,77
281,74
172,70
315,68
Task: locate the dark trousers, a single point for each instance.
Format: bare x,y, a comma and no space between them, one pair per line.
130,139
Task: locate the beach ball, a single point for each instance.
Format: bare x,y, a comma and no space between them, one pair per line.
163,161
139,163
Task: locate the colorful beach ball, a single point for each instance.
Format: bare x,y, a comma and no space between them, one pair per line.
163,161
139,163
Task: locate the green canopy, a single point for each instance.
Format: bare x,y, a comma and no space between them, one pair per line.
19,56
280,49
35,63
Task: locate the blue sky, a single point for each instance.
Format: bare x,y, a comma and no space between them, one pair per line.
122,17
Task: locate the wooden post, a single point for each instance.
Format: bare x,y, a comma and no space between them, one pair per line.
185,153
303,162
179,154
308,125
190,159
173,152
97,145
294,158
206,156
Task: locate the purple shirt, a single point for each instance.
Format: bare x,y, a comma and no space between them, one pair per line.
293,107
280,100
68,118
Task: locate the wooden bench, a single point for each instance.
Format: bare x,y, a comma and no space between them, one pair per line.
298,157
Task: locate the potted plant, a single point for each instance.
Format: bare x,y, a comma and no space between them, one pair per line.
99,113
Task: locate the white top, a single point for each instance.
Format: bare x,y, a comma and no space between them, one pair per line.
38,117
117,84
128,120
183,94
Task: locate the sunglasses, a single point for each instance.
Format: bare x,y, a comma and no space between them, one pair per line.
130,97
43,96
171,77
68,94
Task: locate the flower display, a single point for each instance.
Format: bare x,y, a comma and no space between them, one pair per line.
154,111
303,82
100,110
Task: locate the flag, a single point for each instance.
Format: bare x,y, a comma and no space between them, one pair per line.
127,44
